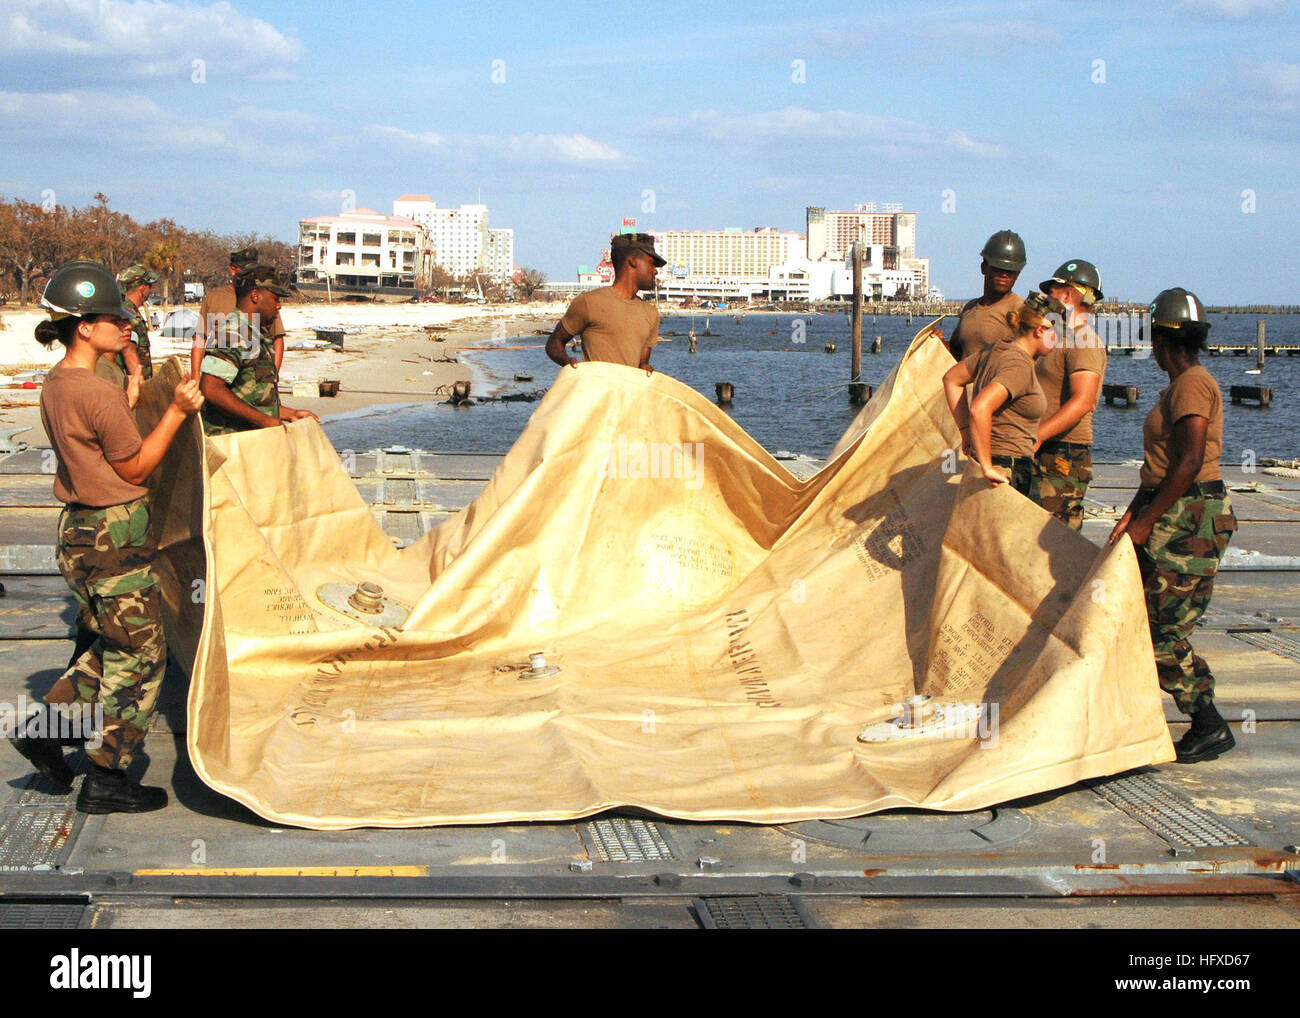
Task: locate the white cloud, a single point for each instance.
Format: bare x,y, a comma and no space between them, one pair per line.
527,149
797,126
555,148
915,36
1231,10
141,39
426,138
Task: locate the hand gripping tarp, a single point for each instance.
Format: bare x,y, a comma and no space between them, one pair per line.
723,631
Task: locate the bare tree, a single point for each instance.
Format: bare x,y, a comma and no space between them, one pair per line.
34,241
528,281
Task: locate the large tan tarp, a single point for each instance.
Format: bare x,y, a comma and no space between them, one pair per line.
723,630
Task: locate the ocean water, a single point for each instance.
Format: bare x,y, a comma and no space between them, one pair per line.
791,395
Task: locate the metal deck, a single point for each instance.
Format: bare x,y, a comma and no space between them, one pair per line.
1211,844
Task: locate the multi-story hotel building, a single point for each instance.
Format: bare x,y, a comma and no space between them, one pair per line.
361,248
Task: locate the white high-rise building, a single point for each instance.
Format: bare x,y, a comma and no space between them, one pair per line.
460,240
733,253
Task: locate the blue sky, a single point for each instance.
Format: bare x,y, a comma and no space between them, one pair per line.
1137,139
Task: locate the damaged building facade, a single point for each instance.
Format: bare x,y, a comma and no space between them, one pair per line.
364,250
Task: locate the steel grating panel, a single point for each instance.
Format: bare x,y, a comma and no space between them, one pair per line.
1172,816
403,526
1284,646
627,839
35,839
395,462
44,792
753,912
41,915
400,490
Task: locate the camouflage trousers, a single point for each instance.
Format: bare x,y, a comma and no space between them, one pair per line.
1063,471
105,554
1178,565
1020,474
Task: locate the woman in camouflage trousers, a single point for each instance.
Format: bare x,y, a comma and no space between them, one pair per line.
104,548
1180,520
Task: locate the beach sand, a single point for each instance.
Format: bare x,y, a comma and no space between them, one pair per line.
388,356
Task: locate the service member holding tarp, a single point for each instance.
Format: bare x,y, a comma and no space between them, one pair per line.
104,547
987,319
1000,426
1071,377
218,303
1180,520
136,283
240,380
615,324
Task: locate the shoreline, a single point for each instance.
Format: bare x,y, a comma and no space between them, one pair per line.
393,354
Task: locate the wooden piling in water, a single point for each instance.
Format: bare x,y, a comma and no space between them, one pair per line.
1260,394
855,375
1128,393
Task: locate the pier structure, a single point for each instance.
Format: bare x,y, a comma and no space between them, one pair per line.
1219,841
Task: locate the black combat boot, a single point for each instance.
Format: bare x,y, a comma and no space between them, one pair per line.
107,790
45,754
1208,737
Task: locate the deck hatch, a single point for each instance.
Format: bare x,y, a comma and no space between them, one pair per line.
627,839
1172,816
753,912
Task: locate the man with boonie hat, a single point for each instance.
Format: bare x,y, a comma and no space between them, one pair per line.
220,302
240,379
614,323
136,283
1071,377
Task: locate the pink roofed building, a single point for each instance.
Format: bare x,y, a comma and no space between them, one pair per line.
363,249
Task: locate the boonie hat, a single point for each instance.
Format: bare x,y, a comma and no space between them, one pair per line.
642,242
264,278
134,275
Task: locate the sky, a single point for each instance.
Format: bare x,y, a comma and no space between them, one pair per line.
1160,141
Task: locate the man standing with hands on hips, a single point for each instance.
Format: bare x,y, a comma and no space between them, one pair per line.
614,323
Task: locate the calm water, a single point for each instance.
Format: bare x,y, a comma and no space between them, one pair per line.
790,394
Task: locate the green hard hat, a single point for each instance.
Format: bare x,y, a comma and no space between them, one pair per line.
1177,307
84,288
1005,250
1075,271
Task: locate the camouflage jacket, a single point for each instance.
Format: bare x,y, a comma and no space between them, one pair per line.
140,327
241,355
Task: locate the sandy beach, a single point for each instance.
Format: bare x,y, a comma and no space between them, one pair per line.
392,353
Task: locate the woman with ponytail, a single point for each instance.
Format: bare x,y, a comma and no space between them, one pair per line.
104,546
999,427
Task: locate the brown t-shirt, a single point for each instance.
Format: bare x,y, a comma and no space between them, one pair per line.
221,302
90,426
1015,422
1194,393
980,325
1082,351
612,328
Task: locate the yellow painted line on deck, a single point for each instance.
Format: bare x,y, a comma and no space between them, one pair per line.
290,871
